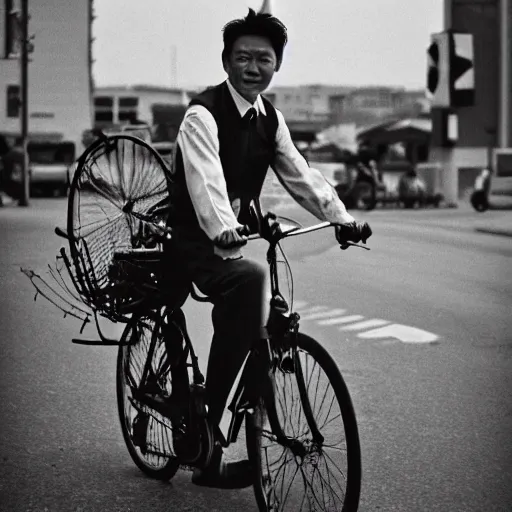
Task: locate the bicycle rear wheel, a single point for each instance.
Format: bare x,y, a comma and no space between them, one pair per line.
143,368
303,440
121,185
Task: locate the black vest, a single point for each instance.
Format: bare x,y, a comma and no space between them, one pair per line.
245,166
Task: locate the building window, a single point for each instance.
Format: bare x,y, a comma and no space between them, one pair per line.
128,109
13,101
12,29
104,109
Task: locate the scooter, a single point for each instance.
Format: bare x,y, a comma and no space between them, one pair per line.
480,196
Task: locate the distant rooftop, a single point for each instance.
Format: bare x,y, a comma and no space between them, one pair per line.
142,87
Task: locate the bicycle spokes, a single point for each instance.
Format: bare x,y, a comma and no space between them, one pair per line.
145,384
307,469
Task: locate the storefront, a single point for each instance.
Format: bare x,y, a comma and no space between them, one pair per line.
472,116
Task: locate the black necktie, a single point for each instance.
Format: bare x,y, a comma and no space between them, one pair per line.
250,116
249,128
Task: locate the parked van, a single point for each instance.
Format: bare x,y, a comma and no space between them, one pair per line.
48,162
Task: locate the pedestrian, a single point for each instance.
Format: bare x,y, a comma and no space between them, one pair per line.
229,137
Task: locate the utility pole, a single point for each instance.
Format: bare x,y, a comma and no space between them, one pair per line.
25,179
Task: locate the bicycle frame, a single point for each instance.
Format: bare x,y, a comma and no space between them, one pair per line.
278,348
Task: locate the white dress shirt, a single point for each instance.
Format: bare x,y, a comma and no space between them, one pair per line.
199,143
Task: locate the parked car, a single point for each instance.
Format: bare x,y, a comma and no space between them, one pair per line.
48,162
49,166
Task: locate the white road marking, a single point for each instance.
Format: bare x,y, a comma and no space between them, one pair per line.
404,333
341,320
323,314
313,309
386,333
365,324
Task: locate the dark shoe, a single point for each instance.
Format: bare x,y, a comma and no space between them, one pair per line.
223,475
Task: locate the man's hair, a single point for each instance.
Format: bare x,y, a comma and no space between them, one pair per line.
253,24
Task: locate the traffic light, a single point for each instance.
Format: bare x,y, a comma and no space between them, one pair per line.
450,76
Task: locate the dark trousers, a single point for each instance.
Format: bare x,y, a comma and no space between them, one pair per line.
236,288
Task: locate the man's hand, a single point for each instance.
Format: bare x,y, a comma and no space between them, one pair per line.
353,232
156,232
232,238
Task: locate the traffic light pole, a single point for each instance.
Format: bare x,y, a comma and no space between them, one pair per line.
25,178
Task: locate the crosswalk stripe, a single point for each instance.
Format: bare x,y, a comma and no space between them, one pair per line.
404,333
341,320
364,324
314,309
323,314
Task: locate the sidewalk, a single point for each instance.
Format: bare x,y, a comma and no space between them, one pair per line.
499,226
500,221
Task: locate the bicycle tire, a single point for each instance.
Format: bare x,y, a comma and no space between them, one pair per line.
120,183
300,492
148,434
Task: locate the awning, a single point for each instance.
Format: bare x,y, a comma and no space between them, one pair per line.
405,130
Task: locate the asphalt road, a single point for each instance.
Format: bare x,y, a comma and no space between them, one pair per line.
420,327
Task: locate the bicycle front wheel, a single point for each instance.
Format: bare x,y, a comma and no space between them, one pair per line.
143,366
303,439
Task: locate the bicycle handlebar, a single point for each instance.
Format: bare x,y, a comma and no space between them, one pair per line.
301,231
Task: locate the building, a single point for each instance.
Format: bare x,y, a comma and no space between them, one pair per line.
159,107
59,72
467,138
307,109
369,105
121,104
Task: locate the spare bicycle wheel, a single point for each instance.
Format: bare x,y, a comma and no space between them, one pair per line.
120,188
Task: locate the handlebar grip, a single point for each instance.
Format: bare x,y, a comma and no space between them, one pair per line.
243,230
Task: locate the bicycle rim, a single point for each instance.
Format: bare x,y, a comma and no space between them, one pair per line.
147,433
302,474
120,183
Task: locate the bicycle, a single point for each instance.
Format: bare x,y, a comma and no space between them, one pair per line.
293,438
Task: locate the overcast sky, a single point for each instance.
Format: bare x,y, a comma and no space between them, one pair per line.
343,42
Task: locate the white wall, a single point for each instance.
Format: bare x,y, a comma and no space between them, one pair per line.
58,96
147,97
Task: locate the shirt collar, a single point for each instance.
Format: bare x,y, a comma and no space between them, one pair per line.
242,104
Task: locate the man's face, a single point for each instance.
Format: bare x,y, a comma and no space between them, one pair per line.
251,65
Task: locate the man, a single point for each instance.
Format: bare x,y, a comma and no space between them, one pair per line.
229,137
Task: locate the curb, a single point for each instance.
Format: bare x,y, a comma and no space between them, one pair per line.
495,231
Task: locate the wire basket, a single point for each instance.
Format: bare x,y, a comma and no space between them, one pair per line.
133,280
